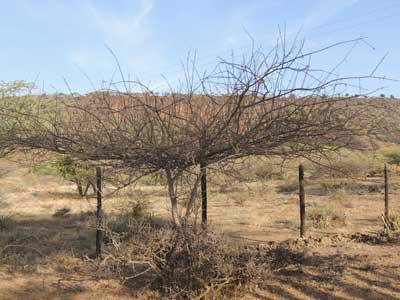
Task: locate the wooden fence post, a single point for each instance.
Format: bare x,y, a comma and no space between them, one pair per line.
302,202
386,178
99,213
203,169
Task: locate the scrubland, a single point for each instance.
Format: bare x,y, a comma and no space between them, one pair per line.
251,249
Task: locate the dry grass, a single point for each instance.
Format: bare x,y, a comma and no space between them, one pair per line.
350,164
326,216
46,257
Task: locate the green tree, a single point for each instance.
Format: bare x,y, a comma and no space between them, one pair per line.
73,170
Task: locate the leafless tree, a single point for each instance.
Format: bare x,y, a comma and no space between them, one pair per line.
267,103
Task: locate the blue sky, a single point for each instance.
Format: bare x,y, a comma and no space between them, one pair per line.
53,40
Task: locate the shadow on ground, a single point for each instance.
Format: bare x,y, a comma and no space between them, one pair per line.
297,273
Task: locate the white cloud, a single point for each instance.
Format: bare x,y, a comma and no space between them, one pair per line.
126,30
121,26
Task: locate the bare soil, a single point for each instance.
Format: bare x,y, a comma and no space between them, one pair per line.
344,257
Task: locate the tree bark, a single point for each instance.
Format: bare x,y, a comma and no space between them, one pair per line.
88,185
173,198
80,189
192,198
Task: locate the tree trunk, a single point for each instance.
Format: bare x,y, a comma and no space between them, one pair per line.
173,198
192,198
80,189
88,185
86,189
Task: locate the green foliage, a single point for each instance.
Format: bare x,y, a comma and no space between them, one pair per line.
153,179
15,97
69,169
74,170
17,104
393,158
46,169
14,88
378,156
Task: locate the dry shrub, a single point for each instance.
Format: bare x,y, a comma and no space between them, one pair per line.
239,198
20,251
326,216
6,223
261,169
289,186
389,234
391,223
137,211
193,261
19,259
226,188
348,164
184,263
339,190
153,179
341,197
62,212
229,178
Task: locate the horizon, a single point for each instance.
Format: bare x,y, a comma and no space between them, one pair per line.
51,43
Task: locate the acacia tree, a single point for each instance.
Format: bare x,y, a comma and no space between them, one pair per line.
272,103
72,170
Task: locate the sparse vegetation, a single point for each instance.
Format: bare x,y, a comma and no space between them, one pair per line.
393,158
348,164
260,169
6,223
246,125
326,216
72,170
289,186
143,253
391,223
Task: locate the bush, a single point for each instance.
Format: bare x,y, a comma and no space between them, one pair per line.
153,179
185,263
322,217
6,223
73,170
289,186
45,170
260,169
391,223
340,197
69,169
139,213
393,158
353,164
